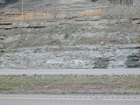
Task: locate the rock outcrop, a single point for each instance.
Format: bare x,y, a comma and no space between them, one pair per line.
133,61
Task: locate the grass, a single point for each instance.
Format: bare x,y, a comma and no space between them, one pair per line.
121,12
70,84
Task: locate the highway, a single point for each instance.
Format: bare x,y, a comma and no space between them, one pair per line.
11,99
69,100
71,72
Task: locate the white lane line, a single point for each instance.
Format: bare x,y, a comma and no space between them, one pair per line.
121,99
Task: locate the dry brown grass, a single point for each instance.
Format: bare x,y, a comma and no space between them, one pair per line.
46,15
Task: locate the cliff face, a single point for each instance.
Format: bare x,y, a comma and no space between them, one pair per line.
72,34
8,1
15,5
5,3
2,1
126,2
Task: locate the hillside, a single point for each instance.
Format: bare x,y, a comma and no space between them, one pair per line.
77,34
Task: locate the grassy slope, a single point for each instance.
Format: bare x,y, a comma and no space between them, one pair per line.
70,84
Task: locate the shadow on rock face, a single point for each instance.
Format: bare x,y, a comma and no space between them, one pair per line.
101,63
7,2
122,2
94,0
133,61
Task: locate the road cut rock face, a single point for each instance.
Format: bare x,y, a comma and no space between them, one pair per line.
133,61
69,35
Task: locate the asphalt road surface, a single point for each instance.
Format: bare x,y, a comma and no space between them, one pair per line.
71,72
65,100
